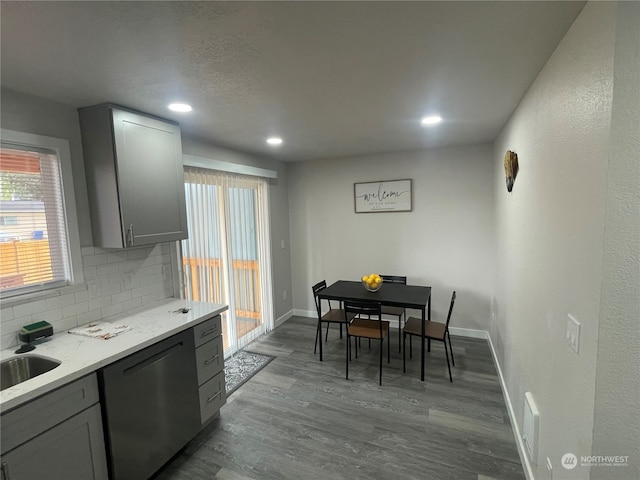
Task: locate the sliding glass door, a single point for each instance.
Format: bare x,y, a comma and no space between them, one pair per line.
226,257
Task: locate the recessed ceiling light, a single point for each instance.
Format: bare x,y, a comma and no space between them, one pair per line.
180,107
431,120
274,141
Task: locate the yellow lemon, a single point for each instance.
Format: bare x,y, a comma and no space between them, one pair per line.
365,278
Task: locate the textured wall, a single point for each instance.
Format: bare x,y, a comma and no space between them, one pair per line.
446,241
616,418
550,233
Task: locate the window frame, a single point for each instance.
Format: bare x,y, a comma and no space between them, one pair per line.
61,148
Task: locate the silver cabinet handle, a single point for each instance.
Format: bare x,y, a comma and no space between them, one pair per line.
5,471
208,332
131,236
210,399
212,359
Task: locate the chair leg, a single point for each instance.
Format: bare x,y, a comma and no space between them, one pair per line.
381,348
399,332
315,345
410,346
428,345
340,330
451,349
446,353
348,356
388,347
404,352
326,337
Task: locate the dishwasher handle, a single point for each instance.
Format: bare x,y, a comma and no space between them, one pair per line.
153,359
154,354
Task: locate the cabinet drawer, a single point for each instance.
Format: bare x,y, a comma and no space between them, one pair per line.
212,396
207,330
33,418
210,359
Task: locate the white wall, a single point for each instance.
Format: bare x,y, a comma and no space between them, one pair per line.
616,417
551,239
445,242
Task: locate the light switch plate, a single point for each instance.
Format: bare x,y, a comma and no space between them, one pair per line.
573,333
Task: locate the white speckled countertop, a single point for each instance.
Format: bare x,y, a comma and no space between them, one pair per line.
82,355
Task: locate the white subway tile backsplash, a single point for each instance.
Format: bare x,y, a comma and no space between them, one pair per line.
90,272
112,310
106,269
140,291
75,309
81,296
90,316
61,301
116,257
6,314
131,304
99,303
95,259
117,281
121,297
50,316
30,308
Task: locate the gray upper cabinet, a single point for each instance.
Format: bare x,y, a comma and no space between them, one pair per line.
135,179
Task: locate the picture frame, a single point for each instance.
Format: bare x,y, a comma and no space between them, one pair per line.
383,196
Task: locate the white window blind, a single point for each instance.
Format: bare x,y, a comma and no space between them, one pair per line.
34,252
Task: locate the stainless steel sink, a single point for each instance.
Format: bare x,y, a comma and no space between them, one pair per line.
19,369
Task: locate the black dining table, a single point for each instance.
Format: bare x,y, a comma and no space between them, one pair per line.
393,294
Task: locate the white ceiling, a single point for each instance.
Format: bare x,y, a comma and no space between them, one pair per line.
332,79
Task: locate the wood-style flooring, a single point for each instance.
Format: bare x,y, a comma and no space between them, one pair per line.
299,418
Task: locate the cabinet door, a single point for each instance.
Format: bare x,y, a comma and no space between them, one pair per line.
73,449
150,179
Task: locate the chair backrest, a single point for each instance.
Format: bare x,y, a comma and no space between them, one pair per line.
394,279
453,300
317,288
363,308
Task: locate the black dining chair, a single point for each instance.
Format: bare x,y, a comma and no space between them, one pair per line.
333,315
432,331
372,328
391,310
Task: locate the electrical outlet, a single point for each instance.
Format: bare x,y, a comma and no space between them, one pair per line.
282,244
285,294
573,333
549,469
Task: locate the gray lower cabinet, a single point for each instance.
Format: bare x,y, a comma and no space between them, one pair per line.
135,179
58,436
210,367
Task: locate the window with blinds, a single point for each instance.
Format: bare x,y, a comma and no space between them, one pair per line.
34,251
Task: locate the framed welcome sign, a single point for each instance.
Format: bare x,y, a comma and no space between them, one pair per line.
386,196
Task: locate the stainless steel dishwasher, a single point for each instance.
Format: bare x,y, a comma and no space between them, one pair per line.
151,406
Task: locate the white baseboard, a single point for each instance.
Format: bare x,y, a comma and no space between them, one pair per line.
284,318
524,458
468,332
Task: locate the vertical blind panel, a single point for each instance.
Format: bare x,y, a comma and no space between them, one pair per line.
33,230
224,259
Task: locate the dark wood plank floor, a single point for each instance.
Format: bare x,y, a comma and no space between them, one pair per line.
299,418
